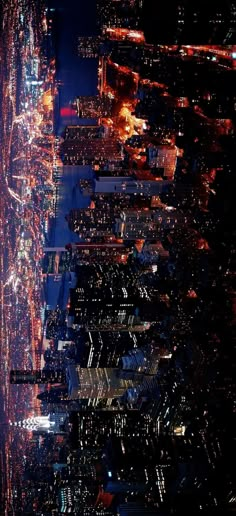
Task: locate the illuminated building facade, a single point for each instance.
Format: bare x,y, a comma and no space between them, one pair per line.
126,185
53,423
135,224
92,428
118,13
106,348
114,299
83,132
88,47
90,383
91,151
91,223
87,253
94,106
163,157
56,260
18,376
105,307
152,253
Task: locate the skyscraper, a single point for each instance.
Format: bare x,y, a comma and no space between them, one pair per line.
89,383
92,428
18,376
114,295
91,223
118,13
96,106
104,252
88,47
163,157
135,224
91,151
53,423
127,185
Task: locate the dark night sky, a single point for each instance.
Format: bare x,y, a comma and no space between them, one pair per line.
79,76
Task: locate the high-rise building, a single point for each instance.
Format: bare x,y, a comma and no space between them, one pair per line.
118,13
18,376
104,252
83,132
91,223
115,294
126,185
52,423
88,47
164,158
138,468
96,106
128,224
103,308
92,428
90,383
135,224
143,360
152,253
106,348
91,151
131,324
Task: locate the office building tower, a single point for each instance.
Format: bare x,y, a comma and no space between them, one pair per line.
120,201
125,185
106,348
131,324
97,106
88,47
138,468
104,252
104,308
52,423
143,360
118,13
97,275
113,294
91,223
135,224
152,253
92,428
21,376
164,158
128,224
98,220
89,383
91,151
57,261
83,132
124,172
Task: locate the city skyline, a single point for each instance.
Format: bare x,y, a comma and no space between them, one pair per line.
117,258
